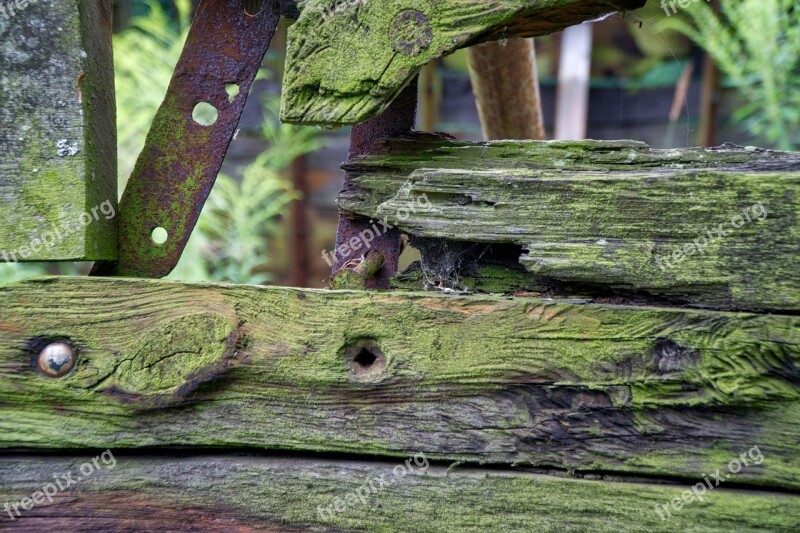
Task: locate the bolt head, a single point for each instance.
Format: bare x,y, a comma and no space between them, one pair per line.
56,359
411,32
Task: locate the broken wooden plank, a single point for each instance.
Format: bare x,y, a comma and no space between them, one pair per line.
565,385
707,227
252,493
347,61
58,153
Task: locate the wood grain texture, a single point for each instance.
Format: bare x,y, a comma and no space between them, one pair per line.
57,132
346,61
506,88
252,493
571,386
603,214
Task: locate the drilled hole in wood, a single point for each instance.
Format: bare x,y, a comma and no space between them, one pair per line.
365,360
205,114
253,7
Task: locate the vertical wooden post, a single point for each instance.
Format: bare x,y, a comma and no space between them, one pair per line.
572,103
58,147
709,103
709,97
506,87
429,96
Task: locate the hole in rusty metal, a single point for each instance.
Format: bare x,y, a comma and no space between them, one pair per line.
159,235
365,360
233,91
205,114
253,7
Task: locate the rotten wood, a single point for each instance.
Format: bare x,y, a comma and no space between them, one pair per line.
58,151
715,227
552,384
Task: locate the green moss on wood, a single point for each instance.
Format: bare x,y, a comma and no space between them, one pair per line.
56,85
356,277
603,214
347,61
263,493
478,379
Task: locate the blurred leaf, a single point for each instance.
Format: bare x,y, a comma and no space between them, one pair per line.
756,43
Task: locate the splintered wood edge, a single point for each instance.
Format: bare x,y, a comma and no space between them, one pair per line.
601,214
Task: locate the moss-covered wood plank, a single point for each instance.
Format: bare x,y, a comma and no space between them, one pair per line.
58,168
251,493
346,61
572,386
708,227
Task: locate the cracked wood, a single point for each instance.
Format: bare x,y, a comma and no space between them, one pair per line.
560,384
608,215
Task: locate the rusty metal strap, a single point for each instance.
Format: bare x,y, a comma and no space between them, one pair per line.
182,157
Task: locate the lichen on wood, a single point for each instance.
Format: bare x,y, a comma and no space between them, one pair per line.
609,215
258,493
346,61
57,132
555,384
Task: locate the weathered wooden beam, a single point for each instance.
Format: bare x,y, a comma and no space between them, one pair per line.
58,153
616,215
567,385
251,493
347,61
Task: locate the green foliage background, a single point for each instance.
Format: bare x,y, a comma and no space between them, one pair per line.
756,44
